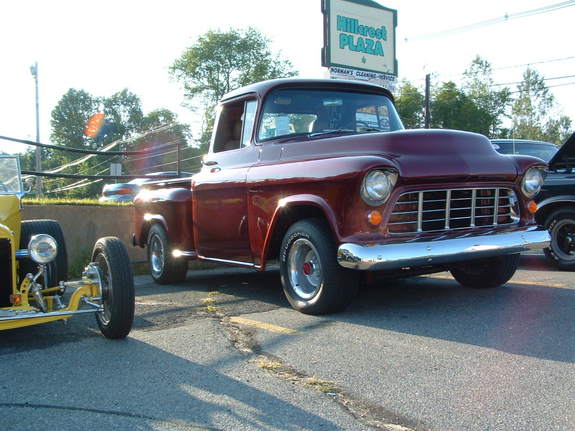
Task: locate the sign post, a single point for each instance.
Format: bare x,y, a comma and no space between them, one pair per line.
359,41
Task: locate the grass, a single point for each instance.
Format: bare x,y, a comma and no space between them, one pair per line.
69,201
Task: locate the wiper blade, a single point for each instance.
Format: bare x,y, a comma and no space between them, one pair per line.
331,132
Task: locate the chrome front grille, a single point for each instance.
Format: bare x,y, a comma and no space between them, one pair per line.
443,210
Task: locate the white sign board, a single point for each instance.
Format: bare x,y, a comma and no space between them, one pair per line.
115,169
359,34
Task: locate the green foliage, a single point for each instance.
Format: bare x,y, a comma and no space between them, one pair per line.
531,111
126,125
221,61
410,106
483,107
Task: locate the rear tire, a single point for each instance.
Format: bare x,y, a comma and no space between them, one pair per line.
486,273
163,266
561,226
117,288
57,269
313,281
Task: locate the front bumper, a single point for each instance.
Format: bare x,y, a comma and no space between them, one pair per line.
443,250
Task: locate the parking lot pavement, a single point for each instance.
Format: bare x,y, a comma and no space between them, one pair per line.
189,377
224,351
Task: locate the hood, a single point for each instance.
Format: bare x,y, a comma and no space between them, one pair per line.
424,155
10,214
565,157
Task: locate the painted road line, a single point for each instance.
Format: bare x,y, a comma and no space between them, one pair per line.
527,283
262,325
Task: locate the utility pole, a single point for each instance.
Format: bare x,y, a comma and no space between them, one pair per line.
34,71
427,103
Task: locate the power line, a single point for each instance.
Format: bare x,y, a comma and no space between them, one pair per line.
492,21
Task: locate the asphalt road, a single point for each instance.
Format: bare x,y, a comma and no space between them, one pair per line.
224,351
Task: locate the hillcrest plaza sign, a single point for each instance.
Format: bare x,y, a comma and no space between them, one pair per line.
359,35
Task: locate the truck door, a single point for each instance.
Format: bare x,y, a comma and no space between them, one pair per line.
220,190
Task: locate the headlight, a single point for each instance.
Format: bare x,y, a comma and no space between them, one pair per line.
42,248
532,182
377,186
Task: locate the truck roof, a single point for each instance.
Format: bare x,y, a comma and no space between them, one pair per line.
263,87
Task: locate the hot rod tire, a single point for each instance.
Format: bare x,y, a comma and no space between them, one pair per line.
561,226
117,287
57,269
163,266
486,273
312,280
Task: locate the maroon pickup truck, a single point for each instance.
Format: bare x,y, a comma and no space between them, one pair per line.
321,176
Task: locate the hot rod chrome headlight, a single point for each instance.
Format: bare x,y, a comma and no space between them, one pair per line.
42,248
532,182
377,186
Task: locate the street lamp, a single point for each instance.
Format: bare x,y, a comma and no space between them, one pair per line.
34,71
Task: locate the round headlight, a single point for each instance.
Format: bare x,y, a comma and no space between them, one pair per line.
42,248
532,182
377,186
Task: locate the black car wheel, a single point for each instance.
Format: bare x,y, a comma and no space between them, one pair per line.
486,273
163,266
313,281
57,270
561,226
117,287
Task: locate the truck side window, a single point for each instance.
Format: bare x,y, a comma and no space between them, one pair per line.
235,123
249,121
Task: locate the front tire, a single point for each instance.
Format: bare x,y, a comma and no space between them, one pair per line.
117,288
486,273
312,280
164,267
561,226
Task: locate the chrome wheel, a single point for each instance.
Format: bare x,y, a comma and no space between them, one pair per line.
157,255
304,269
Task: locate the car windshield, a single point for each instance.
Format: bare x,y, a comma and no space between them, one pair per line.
10,180
542,150
294,112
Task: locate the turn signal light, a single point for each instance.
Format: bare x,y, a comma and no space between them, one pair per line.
374,218
532,207
16,299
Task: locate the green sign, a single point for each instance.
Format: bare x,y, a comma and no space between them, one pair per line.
359,34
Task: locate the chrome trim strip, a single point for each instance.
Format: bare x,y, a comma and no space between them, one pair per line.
22,254
496,207
473,207
429,252
229,262
420,211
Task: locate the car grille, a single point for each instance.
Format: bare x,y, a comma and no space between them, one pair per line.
5,272
443,210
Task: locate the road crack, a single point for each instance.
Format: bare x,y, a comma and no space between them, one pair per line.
365,411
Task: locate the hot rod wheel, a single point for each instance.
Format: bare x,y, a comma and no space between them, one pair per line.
313,281
163,266
561,225
117,287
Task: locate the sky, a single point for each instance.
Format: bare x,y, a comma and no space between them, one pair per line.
103,47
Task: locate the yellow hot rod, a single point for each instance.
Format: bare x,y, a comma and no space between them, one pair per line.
33,270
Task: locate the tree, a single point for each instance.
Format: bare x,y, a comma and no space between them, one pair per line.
532,110
492,104
124,122
410,106
222,61
451,108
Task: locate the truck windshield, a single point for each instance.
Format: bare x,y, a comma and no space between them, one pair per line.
10,181
288,112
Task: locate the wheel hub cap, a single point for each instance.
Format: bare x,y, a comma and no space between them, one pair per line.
304,269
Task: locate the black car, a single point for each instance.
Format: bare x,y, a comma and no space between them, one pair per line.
556,206
540,149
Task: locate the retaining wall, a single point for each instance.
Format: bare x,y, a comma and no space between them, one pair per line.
83,225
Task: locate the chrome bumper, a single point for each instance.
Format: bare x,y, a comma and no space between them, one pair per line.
440,251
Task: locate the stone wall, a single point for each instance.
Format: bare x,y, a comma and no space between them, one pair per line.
83,225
